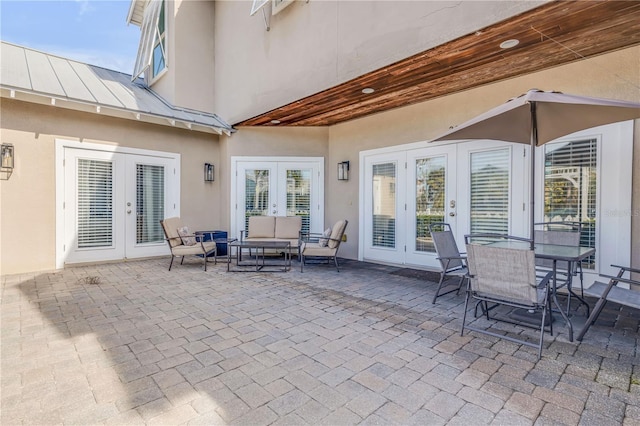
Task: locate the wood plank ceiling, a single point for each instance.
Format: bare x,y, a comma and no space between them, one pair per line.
551,35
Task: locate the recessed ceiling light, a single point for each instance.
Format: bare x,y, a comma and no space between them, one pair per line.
368,90
275,121
507,44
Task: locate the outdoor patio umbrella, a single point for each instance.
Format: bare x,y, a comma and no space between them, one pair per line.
538,117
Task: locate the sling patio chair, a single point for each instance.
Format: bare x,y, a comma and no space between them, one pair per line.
562,234
182,242
621,290
502,271
452,262
323,246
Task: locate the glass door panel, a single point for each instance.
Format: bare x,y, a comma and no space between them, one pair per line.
93,182
489,191
430,184
570,187
383,215
94,208
384,207
151,195
257,190
149,203
298,194
431,197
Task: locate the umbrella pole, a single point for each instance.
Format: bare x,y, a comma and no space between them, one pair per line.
532,195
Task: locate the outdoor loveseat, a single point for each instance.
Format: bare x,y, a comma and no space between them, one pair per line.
274,228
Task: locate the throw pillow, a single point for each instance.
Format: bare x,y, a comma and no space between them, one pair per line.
186,237
325,240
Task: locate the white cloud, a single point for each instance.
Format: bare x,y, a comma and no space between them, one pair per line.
85,6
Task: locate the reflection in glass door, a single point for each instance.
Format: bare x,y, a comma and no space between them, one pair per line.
257,192
430,186
431,197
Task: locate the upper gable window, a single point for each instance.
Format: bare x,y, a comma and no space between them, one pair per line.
159,46
152,52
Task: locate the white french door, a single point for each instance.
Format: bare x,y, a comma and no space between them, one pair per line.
468,186
406,191
267,186
113,204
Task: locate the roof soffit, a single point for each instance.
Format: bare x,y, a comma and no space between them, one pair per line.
550,35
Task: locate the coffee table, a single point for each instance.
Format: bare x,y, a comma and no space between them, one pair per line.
257,251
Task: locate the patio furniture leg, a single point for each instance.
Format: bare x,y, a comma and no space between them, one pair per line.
335,260
544,316
171,263
595,313
182,260
464,315
433,302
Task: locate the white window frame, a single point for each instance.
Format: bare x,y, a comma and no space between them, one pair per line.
159,40
147,38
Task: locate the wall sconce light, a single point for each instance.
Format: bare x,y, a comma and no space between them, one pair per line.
208,172
343,170
6,158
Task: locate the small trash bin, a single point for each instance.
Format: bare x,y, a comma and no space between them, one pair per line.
220,237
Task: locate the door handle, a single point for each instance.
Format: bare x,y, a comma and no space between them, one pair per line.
452,214
128,211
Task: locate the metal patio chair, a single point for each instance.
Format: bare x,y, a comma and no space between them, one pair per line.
563,234
502,271
321,246
612,292
184,243
452,262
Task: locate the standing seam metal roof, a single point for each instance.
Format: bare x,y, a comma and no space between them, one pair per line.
37,73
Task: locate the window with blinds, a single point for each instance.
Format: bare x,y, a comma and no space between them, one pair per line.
94,203
430,194
384,205
570,182
149,203
256,194
299,196
489,188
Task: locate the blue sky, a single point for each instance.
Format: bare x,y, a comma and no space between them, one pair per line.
90,31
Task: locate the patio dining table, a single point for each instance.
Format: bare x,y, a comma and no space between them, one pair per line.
555,253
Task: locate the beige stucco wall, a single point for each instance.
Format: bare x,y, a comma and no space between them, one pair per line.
188,79
27,199
616,75
315,45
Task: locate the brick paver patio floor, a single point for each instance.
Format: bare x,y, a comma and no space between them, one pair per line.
132,343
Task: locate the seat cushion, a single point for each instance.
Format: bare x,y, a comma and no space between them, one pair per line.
288,227
262,227
315,249
209,246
